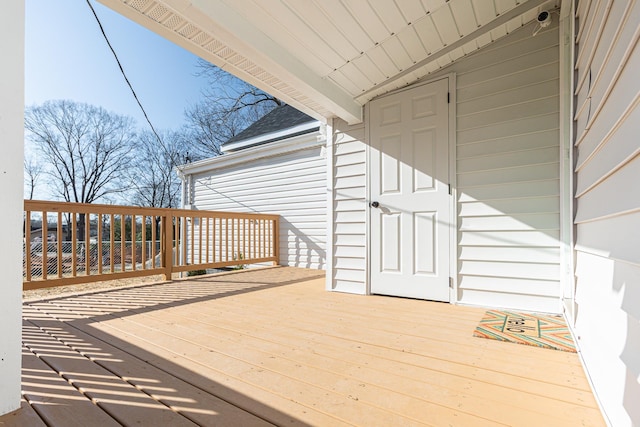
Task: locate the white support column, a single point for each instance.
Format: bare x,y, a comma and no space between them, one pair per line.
567,43
12,183
330,203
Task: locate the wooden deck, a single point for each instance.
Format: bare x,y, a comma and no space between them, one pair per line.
272,347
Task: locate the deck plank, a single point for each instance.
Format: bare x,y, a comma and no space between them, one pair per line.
54,399
273,344
304,391
276,408
121,400
428,325
312,386
25,416
451,343
373,386
526,400
193,403
374,369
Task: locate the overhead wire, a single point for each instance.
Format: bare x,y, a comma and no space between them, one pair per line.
153,129
135,95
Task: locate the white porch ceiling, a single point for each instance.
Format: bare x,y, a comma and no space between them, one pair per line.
329,57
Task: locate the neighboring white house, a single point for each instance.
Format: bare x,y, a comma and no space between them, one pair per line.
480,152
276,166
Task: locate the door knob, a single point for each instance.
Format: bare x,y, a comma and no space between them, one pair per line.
374,204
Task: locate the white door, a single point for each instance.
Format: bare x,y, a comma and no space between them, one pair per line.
410,201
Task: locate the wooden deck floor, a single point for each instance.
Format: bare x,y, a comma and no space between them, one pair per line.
272,347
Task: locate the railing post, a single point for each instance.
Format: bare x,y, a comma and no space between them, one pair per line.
276,240
167,245
27,244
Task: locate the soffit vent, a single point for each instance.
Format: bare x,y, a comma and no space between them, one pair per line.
158,12
214,46
189,31
201,38
173,21
226,53
140,5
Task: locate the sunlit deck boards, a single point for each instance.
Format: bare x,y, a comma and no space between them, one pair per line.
273,347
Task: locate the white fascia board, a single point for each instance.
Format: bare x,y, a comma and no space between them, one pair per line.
296,143
226,148
123,9
222,22
239,34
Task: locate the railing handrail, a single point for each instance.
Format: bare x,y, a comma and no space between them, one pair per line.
73,207
182,240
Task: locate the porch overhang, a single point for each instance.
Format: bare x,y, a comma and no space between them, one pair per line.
330,59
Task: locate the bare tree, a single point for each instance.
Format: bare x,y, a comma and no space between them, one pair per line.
227,108
85,149
32,171
154,181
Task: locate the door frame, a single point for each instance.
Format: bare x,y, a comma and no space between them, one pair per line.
453,212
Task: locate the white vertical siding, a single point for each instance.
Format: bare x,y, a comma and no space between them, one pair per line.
507,166
292,185
608,203
349,208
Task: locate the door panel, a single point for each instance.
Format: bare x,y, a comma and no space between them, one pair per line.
409,163
424,154
391,249
425,250
390,164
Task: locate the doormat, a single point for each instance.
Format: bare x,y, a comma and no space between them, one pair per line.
540,330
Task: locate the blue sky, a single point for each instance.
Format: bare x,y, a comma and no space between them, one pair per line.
66,57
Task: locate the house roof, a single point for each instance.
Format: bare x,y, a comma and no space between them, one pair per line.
329,59
280,118
282,122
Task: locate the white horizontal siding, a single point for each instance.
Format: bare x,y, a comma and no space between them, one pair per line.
507,131
292,185
349,209
507,172
608,204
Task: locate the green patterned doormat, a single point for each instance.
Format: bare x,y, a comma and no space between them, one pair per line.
540,330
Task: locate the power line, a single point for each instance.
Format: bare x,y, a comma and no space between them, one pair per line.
153,129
